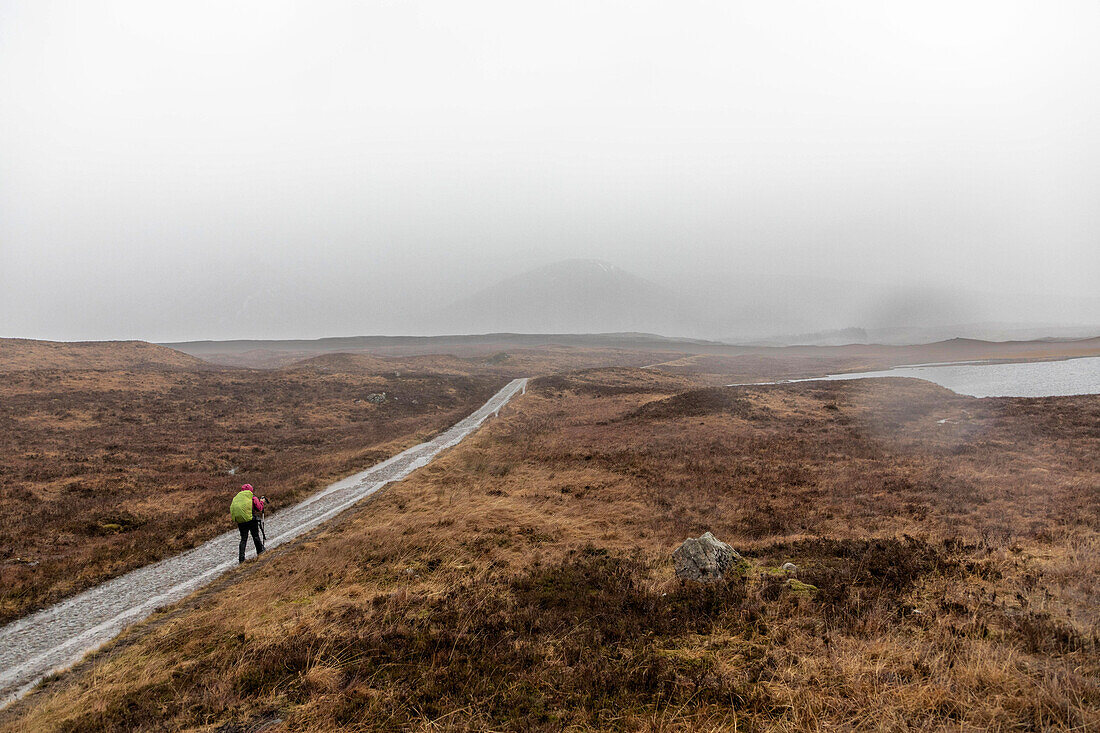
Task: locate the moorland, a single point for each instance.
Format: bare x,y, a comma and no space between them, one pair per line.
113,456
946,551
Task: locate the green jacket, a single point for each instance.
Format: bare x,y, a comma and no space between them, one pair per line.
241,508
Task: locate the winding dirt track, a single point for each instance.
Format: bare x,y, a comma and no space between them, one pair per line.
57,637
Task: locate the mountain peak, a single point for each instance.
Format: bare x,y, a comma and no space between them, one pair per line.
580,263
572,296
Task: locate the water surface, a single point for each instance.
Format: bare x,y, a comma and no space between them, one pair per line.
1027,379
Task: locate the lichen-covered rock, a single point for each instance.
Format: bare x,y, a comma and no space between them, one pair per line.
790,568
800,588
376,397
704,559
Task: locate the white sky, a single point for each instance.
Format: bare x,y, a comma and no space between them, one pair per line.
163,163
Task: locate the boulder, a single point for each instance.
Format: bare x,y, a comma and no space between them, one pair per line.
704,559
376,397
790,568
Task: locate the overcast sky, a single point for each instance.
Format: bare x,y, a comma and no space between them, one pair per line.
345,165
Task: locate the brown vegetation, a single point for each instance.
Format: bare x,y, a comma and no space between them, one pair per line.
106,470
24,354
947,551
723,370
744,364
706,361
505,359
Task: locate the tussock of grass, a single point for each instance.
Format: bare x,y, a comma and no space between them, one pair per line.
695,403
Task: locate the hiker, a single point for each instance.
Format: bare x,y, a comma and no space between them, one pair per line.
244,510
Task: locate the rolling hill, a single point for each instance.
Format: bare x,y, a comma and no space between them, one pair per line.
25,354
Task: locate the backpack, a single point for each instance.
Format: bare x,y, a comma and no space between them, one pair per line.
241,508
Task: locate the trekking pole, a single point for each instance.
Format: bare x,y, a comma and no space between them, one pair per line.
262,516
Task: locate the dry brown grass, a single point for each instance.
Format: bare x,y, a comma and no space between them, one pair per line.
106,470
497,357
744,364
24,354
522,581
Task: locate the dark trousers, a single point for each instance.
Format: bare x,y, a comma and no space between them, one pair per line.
252,526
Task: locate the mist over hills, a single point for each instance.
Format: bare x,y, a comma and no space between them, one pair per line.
572,296
591,296
595,296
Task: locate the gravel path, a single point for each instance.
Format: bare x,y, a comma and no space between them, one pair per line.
57,637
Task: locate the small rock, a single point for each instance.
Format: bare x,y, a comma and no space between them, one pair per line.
790,567
376,397
704,559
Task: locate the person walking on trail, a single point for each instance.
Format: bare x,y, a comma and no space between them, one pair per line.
245,510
